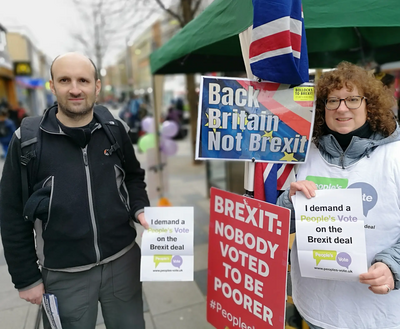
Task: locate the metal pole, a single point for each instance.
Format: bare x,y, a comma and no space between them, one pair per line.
249,167
158,81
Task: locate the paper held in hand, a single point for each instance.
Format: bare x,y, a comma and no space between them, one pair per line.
167,246
50,306
330,234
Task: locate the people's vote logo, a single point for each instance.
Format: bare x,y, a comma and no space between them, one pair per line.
342,258
328,183
369,196
176,260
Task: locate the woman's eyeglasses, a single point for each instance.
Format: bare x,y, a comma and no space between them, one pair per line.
352,102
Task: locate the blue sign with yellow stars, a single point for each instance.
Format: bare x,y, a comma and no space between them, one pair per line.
242,119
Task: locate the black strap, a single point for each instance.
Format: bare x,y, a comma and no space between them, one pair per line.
30,132
106,120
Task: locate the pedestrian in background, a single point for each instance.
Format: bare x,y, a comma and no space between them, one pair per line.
356,139
131,114
7,128
17,114
85,201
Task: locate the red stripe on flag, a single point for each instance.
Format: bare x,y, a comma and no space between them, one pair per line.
259,192
272,42
305,103
284,176
296,41
294,121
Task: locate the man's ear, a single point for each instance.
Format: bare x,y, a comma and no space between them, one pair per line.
52,87
98,86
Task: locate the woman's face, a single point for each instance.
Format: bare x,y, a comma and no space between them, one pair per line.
343,120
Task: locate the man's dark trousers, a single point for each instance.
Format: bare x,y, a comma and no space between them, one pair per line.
116,285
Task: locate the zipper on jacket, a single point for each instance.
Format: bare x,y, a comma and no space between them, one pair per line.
51,180
125,201
342,159
91,209
85,157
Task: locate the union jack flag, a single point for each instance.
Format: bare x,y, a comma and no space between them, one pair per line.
278,51
270,179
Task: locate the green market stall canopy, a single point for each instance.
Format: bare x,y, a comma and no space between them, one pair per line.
357,30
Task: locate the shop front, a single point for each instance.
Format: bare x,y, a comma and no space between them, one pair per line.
30,89
7,84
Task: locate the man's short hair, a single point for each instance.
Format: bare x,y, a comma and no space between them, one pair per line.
96,73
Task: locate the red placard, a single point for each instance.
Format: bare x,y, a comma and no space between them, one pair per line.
247,262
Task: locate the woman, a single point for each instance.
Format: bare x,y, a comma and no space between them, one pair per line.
355,138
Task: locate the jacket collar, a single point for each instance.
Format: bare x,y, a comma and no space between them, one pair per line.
50,123
358,148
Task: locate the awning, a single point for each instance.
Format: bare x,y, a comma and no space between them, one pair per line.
355,30
30,83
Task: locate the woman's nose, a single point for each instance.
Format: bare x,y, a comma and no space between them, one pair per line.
342,106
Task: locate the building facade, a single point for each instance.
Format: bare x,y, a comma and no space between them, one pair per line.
7,82
31,71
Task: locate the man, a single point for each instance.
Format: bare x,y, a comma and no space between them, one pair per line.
86,200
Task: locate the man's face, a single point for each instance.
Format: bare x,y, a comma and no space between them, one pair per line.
74,85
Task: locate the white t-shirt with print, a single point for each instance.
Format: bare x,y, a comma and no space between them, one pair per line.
340,304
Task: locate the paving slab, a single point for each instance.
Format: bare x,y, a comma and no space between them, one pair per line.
201,257
6,284
165,297
193,317
149,321
23,317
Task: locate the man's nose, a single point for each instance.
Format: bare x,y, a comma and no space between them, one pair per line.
74,90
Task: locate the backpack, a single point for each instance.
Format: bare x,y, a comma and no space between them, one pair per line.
31,145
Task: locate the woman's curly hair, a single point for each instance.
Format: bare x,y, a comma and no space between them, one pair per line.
378,103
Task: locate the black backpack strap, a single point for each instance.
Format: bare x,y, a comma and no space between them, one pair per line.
30,136
107,120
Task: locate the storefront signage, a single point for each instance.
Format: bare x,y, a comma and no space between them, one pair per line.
22,69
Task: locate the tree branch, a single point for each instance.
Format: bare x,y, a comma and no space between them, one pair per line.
108,23
82,40
196,7
173,14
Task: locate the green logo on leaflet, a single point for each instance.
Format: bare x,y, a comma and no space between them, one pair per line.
327,183
319,255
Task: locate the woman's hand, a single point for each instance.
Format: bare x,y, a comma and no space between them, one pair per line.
307,187
379,277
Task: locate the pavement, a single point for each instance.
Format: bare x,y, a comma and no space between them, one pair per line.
168,305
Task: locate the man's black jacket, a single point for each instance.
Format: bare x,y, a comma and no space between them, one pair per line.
91,199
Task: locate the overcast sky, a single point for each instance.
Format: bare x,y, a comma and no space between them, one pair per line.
50,22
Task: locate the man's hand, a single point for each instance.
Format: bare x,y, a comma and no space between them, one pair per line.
33,295
379,277
143,221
